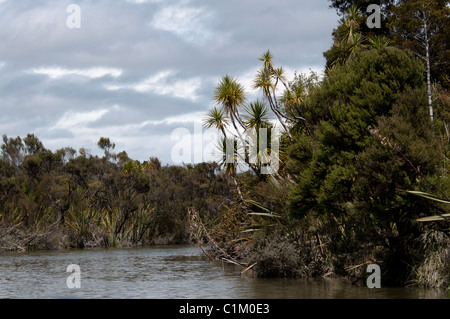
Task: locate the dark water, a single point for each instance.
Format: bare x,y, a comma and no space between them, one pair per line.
164,272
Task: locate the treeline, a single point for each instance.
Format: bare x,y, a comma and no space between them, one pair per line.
69,198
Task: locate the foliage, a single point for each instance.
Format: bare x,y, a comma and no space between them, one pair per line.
407,24
369,137
433,198
415,24
434,269
349,101
353,141
80,200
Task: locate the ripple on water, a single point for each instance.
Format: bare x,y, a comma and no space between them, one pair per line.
163,272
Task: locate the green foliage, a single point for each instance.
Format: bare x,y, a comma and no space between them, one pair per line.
216,119
351,142
369,137
407,25
257,114
78,200
106,145
432,197
417,23
231,95
350,99
229,148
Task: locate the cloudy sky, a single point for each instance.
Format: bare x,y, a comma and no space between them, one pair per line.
142,72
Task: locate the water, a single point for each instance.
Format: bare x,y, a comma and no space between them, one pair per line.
164,272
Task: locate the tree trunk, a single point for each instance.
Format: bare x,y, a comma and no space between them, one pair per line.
244,145
427,57
238,188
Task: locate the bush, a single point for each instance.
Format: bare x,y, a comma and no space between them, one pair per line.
434,270
276,257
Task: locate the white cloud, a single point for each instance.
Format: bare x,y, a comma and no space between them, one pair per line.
93,73
73,120
189,23
195,117
163,84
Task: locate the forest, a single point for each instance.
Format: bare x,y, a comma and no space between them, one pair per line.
362,160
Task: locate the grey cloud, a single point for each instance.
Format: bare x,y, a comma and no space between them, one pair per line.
196,39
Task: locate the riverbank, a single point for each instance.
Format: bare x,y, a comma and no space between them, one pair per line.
296,249
268,254
57,237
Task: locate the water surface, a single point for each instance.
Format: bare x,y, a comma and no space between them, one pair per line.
164,272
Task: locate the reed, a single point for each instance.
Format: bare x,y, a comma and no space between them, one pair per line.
109,222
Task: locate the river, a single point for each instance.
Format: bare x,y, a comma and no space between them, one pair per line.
163,272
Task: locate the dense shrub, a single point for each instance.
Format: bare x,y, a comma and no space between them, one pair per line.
64,199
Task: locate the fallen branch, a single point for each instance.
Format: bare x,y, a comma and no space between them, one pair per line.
197,229
357,266
248,268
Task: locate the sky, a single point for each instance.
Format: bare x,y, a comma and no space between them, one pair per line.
143,72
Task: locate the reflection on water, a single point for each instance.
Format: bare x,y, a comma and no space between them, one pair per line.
164,272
